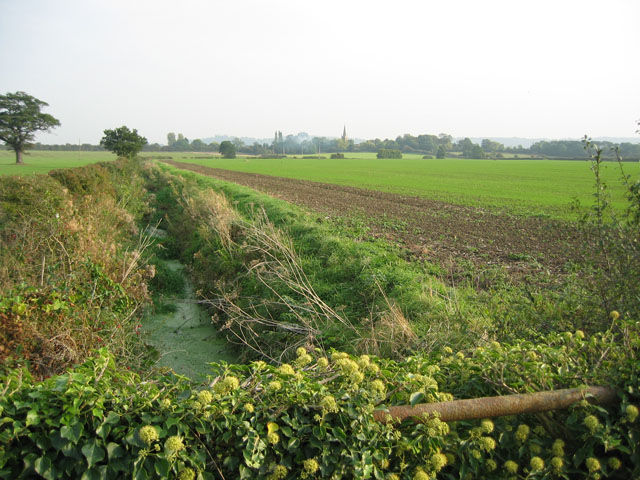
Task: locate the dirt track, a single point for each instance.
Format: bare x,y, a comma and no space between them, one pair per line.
443,233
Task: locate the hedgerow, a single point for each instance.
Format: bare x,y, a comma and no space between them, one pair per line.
313,418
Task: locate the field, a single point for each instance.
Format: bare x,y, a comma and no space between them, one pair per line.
42,161
527,187
344,295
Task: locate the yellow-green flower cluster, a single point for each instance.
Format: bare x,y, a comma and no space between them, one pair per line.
593,464
511,467
487,443
329,404
438,461
522,433
592,423
491,464
558,448
304,359
226,385
350,369
378,388
187,474
273,438
614,463
557,464
421,475
279,472
631,412
205,397
536,464
274,386
392,476
310,466
165,403
174,444
323,362
249,408
486,426
148,434
286,369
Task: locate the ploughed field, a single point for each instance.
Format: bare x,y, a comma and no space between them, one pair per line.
443,233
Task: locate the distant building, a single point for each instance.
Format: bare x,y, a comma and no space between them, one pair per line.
344,134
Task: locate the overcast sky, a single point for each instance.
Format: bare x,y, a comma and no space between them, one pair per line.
543,68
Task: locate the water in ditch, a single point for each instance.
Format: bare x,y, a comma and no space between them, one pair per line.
185,339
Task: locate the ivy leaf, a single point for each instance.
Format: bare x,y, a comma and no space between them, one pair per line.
72,432
32,418
44,468
416,398
93,452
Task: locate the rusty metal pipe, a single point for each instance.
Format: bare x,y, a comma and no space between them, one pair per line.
489,407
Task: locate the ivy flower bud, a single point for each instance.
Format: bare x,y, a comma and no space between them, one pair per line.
591,422
421,475
174,444
614,315
557,464
491,464
486,426
328,404
148,434
301,351
511,467
323,362
205,397
286,369
273,438
487,443
536,464
310,466
593,464
614,463
522,433
631,412
187,474
558,448
438,461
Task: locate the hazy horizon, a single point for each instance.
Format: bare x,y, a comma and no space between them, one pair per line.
203,68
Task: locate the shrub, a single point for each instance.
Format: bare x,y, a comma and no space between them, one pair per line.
389,153
335,156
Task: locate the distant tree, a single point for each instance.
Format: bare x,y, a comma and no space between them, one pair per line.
20,118
123,142
441,152
198,145
171,139
227,149
476,152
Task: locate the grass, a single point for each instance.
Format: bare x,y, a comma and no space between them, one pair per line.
42,161
526,187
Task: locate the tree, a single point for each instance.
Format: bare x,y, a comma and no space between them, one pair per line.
20,118
441,152
123,142
227,149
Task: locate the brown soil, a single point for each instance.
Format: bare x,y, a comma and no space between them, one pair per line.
445,234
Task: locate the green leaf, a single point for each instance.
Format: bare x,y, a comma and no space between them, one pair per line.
44,467
32,418
93,452
114,451
91,474
416,398
73,432
162,467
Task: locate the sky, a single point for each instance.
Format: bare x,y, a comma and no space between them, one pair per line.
495,68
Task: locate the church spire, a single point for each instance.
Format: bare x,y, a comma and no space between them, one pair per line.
344,134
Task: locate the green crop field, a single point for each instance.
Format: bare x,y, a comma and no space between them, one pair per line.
531,187
36,161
